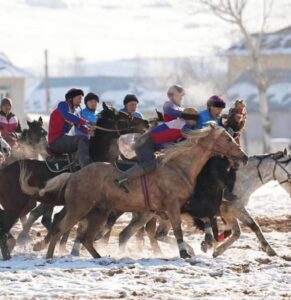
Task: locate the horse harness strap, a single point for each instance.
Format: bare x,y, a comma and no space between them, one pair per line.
147,196
277,163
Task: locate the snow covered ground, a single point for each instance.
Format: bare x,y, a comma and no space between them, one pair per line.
243,272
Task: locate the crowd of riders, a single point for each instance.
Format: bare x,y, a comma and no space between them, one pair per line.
70,127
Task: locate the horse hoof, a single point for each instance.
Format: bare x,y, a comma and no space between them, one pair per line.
184,254
270,251
215,254
75,252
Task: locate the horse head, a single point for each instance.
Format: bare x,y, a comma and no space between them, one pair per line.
118,122
217,140
35,132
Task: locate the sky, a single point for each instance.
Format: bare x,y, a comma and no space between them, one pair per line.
105,30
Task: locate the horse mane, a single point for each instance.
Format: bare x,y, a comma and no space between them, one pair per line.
178,149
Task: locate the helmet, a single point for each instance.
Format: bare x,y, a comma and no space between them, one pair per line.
91,96
176,87
73,93
190,114
215,101
130,98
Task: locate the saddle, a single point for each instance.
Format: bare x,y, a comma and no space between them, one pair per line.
58,163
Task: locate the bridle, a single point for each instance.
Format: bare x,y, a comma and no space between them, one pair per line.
277,164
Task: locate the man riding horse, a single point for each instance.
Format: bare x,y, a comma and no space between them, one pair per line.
61,121
157,138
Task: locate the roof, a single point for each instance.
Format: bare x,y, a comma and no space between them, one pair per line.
109,88
8,69
272,43
278,91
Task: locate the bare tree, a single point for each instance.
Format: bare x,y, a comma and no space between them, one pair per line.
232,11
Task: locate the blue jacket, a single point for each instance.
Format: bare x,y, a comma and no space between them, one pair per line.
135,114
89,115
204,117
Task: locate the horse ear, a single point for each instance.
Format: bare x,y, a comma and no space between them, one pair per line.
40,121
285,151
105,106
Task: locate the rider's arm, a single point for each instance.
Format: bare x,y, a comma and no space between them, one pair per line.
63,109
172,110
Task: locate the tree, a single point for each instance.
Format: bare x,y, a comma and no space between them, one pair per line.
232,11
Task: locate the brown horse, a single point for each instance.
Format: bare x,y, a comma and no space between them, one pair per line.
181,164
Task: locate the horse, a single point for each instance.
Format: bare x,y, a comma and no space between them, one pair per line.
254,175
16,203
180,164
31,142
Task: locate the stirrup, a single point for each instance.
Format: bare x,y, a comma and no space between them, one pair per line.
122,183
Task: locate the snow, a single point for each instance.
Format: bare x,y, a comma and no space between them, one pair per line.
243,272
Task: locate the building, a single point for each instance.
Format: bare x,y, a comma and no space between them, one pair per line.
276,57
111,89
12,85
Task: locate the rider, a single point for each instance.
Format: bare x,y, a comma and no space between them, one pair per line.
234,124
172,108
61,120
130,103
157,138
9,124
215,105
89,113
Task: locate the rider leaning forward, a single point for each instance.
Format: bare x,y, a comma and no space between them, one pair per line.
61,121
155,139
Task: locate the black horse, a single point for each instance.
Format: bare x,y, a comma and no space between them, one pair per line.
16,204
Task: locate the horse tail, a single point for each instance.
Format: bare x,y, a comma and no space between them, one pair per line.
57,183
24,177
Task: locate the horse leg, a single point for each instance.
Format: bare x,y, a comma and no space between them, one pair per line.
138,220
208,238
33,216
63,242
65,224
95,219
140,239
236,231
150,229
173,210
243,215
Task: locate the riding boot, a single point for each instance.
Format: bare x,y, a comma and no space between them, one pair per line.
134,172
230,182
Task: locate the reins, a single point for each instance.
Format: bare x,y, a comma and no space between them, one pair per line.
277,163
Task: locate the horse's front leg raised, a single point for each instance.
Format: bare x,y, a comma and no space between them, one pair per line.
173,210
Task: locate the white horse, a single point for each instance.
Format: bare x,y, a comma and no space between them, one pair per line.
260,170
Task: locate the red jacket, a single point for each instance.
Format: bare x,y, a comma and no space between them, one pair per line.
61,121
